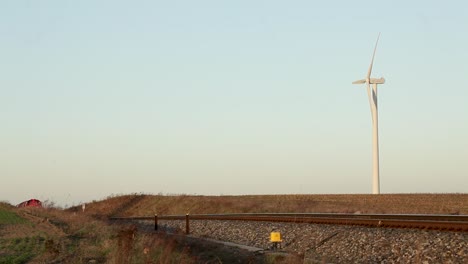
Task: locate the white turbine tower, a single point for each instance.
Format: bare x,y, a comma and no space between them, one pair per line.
375,121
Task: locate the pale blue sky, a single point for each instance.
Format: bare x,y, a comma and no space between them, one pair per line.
229,97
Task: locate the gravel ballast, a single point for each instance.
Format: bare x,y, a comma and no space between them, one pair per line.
336,243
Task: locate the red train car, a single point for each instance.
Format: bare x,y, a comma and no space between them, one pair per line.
30,203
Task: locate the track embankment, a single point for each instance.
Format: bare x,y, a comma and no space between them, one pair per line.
336,243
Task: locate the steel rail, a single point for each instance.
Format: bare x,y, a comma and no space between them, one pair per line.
434,222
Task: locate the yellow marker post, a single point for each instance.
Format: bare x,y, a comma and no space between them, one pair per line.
275,238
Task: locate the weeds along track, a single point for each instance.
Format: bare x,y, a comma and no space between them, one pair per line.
457,223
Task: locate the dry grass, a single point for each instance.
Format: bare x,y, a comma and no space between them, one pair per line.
140,205
48,235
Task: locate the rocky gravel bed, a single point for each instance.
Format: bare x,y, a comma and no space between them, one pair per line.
336,243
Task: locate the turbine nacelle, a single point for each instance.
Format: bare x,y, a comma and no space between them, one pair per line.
371,80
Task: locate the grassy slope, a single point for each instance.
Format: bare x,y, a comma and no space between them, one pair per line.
18,249
39,235
35,235
140,205
7,217
47,235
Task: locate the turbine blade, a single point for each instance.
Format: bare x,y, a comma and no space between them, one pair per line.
372,61
360,81
377,81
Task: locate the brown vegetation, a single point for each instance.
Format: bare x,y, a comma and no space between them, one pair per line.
56,236
50,235
146,205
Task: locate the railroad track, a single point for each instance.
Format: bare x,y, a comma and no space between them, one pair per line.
415,221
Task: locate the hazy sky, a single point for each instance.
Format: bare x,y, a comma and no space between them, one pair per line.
229,97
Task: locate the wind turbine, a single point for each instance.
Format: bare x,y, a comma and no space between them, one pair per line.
372,95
